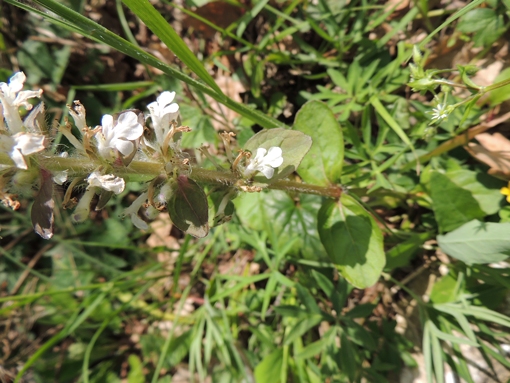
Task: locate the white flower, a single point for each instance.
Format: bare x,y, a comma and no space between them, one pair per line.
265,161
12,97
440,112
107,182
118,137
20,145
162,111
132,211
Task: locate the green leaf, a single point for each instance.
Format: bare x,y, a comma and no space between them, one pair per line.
290,219
294,146
453,205
401,254
444,290
476,20
135,370
484,188
477,242
161,28
352,240
268,370
188,207
348,359
499,95
323,164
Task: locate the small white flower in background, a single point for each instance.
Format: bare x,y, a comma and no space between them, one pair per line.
12,97
107,182
440,113
20,145
162,111
118,137
265,162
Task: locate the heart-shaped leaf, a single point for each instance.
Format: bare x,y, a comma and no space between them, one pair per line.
323,163
188,207
294,145
352,240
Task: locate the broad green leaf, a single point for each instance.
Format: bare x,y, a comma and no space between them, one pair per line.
188,207
268,370
290,219
161,28
352,240
484,188
294,146
453,205
323,163
477,242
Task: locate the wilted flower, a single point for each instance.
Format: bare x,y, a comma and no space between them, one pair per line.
12,97
118,137
20,145
265,162
107,182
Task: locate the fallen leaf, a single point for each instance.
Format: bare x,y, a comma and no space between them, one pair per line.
493,150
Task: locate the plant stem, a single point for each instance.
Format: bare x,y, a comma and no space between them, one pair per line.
144,171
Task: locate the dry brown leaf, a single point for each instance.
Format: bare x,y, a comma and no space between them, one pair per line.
161,237
493,150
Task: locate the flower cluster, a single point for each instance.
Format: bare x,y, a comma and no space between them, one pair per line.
18,139
127,146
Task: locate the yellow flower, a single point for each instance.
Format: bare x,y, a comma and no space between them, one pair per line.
506,191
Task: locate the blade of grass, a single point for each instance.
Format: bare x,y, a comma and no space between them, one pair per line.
77,23
379,107
161,28
106,322
75,321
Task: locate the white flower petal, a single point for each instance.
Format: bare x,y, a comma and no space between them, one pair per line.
107,182
138,222
18,158
265,162
22,97
16,82
165,98
60,177
29,143
171,109
268,171
274,157
128,127
125,147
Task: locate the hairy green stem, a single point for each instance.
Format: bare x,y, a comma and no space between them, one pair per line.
143,171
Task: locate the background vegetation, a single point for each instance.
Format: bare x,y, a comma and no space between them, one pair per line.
259,300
